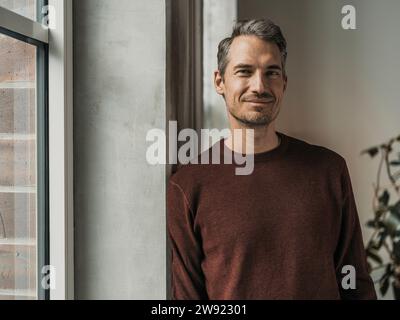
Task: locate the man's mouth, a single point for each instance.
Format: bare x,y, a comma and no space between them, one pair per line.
260,101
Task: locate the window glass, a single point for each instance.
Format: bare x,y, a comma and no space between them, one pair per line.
18,169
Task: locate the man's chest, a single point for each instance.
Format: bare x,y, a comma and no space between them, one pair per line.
268,214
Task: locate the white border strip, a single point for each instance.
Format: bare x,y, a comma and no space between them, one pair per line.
61,149
19,24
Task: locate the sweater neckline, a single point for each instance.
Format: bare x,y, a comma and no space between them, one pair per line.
261,156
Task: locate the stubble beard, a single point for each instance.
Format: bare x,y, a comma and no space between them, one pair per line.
256,119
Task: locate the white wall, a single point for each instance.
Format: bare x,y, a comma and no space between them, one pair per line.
344,91
120,246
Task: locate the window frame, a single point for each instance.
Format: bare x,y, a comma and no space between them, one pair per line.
18,30
55,146
22,27
61,150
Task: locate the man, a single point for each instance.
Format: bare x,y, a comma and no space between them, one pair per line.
288,230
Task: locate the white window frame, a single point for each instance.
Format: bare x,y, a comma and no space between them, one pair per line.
60,40
61,149
22,25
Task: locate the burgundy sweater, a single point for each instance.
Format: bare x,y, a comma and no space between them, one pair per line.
283,232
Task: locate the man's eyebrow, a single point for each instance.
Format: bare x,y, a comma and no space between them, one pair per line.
243,66
249,66
274,66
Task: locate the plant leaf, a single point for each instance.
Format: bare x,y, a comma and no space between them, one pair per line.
384,286
370,223
378,213
396,250
374,256
392,223
395,209
387,147
384,198
372,151
384,281
381,238
374,224
375,245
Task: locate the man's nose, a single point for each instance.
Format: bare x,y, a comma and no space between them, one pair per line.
259,83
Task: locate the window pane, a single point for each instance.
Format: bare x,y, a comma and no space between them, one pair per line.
18,170
26,8
218,18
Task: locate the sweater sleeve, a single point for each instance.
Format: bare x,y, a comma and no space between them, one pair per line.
350,248
187,279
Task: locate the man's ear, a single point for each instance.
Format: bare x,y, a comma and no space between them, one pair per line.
219,83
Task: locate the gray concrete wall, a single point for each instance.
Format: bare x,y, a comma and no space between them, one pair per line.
119,65
343,88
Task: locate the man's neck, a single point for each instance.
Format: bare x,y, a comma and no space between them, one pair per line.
265,139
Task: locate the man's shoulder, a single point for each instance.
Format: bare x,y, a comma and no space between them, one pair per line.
199,171
187,180
184,172
298,150
315,154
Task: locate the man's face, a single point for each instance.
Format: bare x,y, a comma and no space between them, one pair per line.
254,83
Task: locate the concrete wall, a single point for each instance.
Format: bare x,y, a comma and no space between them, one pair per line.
343,89
119,66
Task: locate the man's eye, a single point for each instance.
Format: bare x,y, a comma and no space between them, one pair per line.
273,74
244,72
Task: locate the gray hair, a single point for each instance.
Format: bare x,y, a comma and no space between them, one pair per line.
262,28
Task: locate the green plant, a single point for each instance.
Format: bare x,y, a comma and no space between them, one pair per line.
386,223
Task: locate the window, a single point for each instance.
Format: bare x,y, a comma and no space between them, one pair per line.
23,154
26,8
218,19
